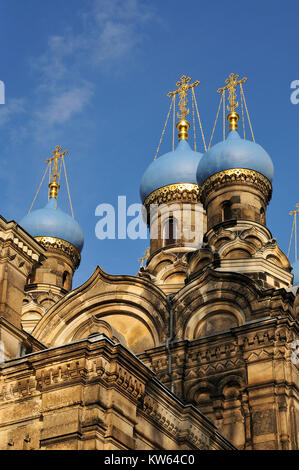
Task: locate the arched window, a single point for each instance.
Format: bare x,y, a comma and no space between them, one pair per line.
227,210
65,279
170,235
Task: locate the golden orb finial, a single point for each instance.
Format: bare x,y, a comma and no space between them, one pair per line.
183,86
232,83
55,171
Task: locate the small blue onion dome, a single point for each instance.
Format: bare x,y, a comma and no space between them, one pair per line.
53,222
296,273
174,167
234,152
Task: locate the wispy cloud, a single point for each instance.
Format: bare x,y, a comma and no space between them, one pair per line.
63,106
109,32
9,110
118,27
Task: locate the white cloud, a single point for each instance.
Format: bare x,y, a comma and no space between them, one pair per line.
65,104
10,109
118,27
115,41
110,30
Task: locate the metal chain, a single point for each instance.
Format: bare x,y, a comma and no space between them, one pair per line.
243,120
164,129
202,134
247,112
39,187
223,120
291,236
173,124
67,185
295,237
193,113
215,122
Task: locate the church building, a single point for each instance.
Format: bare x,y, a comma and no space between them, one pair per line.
197,351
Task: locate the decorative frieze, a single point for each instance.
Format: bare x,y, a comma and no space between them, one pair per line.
57,244
238,176
180,192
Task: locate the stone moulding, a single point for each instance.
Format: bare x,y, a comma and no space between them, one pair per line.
50,377
239,176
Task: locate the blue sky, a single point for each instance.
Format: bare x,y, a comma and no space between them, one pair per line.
93,76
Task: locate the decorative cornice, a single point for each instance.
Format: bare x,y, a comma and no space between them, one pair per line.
58,244
239,176
11,234
182,192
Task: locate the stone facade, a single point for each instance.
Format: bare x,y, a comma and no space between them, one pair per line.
194,352
93,395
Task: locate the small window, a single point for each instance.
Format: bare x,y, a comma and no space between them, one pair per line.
65,279
227,210
170,231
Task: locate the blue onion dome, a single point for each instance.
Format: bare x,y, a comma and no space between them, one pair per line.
234,152
53,222
171,168
296,273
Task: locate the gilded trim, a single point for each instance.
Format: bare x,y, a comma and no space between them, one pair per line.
61,245
183,192
239,176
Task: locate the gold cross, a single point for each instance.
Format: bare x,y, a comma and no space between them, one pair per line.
54,171
232,83
183,86
145,257
296,211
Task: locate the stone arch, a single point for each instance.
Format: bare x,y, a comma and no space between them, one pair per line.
128,299
94,326
127,320
237,294
237,249
272,253
274,259
199,260
200,392
254,240
176,274
213,318
30,317
164,264
231,386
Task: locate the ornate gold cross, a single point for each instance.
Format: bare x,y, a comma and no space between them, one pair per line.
183,86
54,171
295,211
232,83
145,257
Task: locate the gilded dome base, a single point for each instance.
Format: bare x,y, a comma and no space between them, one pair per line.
179,192
236,176
57,244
